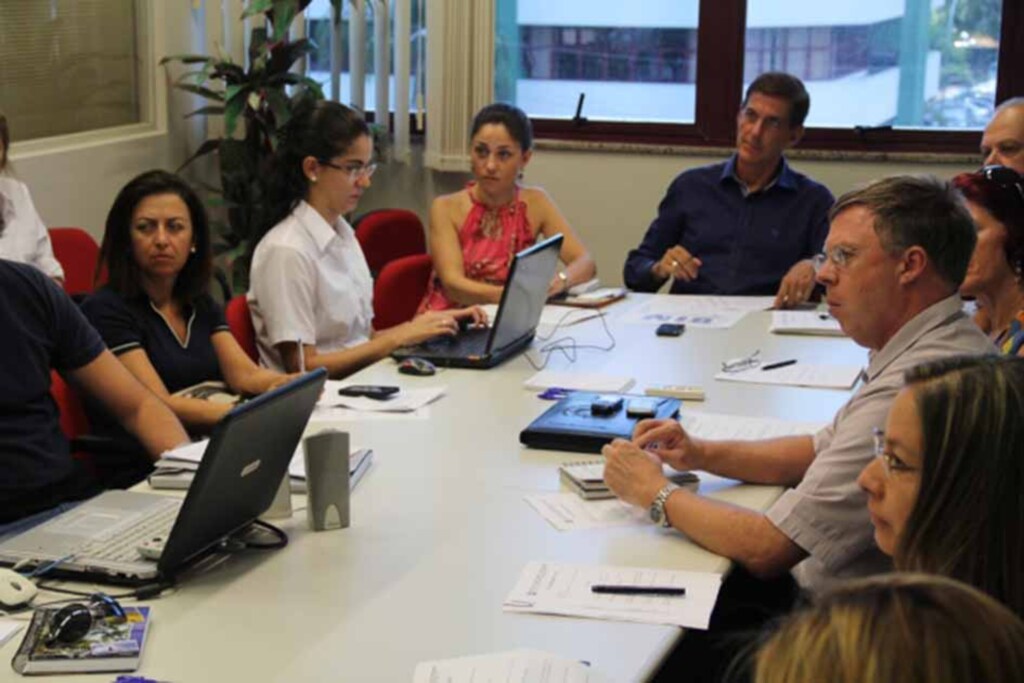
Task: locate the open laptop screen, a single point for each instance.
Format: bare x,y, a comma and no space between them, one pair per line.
526,291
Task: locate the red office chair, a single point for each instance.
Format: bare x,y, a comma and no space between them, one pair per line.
398,290
388,234
240,324
73,421
78,253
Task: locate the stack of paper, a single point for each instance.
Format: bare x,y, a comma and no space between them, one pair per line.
554,588
579,381
805,322
798,375
516,666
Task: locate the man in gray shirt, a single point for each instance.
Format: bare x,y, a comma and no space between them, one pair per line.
894,259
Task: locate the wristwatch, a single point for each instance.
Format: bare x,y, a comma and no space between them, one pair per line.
657,509
564,278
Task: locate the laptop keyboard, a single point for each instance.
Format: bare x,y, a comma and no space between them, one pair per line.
470,342
123,546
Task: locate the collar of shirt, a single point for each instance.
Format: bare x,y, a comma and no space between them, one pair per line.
783,177
319,230
937,314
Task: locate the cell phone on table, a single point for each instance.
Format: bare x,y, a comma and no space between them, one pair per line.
377,392
670,329
642,407
605,404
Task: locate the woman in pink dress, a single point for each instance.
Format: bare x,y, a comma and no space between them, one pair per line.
474,233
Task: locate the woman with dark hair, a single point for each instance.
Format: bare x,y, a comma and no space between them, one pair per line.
995,198
155,313
474,233
23,235
944,492
310,291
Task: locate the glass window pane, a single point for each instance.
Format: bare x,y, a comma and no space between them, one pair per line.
631,65
905,63
61,51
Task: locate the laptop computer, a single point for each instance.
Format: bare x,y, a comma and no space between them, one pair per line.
248,455
522,302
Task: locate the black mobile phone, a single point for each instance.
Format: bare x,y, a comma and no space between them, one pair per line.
642,407
605,404
670,329
375,391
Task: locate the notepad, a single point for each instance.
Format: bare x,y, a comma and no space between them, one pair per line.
812,323
518,666
799,375
586,478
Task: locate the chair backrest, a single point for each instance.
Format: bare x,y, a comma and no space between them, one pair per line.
388,234
398,290
78,254
240,324
73,420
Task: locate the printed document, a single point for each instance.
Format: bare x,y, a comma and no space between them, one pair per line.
798,375
405,401
565,589
715,312
516,666
805,322
569,512
718,427
579,381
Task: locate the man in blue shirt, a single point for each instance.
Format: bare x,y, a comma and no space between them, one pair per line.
749,225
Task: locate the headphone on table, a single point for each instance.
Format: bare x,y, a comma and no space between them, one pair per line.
72,622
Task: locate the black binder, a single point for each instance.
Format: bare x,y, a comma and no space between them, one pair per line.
569,425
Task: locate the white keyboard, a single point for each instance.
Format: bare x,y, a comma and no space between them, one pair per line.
124,546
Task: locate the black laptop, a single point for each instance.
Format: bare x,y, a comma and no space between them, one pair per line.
522,302
248,455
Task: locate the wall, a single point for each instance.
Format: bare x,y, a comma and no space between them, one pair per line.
609,197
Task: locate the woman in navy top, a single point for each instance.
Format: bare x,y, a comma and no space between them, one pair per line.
155,313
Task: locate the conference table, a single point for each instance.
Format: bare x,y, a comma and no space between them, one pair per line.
440,530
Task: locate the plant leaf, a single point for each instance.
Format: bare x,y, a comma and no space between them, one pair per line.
200,90
232,111
211,110
256,7
186,59
284,55
204,149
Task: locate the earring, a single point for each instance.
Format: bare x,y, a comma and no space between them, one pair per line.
312,178
193,249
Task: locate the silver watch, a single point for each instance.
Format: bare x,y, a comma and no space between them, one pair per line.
657,509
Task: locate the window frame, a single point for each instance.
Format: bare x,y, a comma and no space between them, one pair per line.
720,41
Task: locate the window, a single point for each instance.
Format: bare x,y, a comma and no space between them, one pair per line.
899,75
60,52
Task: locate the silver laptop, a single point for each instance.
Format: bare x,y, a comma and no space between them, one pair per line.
248,455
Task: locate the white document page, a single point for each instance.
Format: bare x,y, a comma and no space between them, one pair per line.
551,316
8,629
718,312
405,401
517,666
569,512
187,457
579,381
798,375
805,322
555,588
717,426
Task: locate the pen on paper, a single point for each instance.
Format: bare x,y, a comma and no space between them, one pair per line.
667,591
780,364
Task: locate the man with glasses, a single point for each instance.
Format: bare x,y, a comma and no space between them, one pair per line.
745,226
1002,144
894,259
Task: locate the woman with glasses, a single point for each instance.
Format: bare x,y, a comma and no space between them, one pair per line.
995,198
310,291
23,235
474,233
944,492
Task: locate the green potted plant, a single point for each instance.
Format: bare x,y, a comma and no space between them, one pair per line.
256,101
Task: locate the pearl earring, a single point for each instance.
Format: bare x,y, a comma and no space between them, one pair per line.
193,249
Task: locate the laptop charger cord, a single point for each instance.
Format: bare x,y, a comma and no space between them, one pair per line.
567,345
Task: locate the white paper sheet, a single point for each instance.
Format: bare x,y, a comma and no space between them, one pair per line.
813,323
405,401
8,629
717,426
578,381
187,457
516,666
555,588
551,317
719,312
798,375
569,512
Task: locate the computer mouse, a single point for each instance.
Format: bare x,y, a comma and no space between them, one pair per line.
416,366
15,589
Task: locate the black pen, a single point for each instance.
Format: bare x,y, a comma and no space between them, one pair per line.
780,364
667,591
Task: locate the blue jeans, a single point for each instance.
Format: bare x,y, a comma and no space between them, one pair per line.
18,526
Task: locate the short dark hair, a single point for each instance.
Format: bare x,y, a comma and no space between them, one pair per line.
116,250
321,129
787,87
968,520
1005,203
918,211
515,120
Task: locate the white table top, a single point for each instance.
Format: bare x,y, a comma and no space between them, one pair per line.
440,530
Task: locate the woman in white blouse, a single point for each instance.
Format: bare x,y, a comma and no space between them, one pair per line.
310,289
23,236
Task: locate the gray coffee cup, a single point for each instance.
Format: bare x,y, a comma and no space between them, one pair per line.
327,480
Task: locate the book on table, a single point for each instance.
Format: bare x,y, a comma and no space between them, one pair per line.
110,645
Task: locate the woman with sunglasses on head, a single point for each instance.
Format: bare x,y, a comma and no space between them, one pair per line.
474,233
23,235
995,198
310,292
944,492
